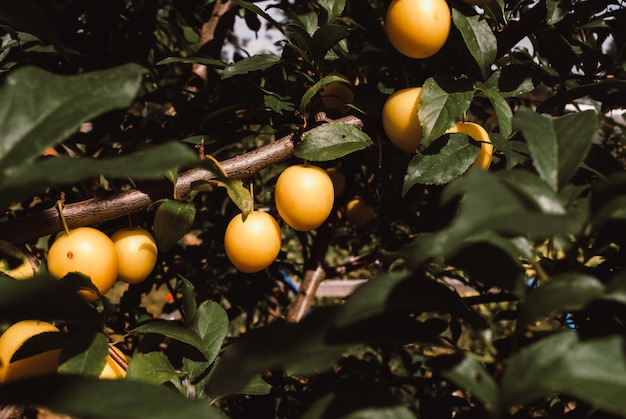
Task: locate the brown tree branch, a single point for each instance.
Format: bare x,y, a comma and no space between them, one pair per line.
212,36
97,210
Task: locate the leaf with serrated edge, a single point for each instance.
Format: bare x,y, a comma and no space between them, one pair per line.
438,110
211,323
247,65
152,367
454,158
331,141
479,38
317,87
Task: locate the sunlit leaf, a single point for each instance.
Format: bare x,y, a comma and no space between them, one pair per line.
479,38
333,8
331,141
91,361
152,367
440,109
211,324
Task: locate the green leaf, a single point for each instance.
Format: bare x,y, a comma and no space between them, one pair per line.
591,89
327,36
471,376
542,143
153,163
89,397
562,293
208,61
298,348
211,323
479,38
28,16
444,160
331,141
593,371
40,109
333,8
574,134
257,387
510,81
89,362
533,190
250,64
502,108
176,331
491,204
48,299
316,88
172,221
439,109
153,368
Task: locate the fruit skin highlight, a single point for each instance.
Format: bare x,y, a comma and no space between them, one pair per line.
252,245
400,120
478,133
13,339
88,251
418,28
304,196
137,254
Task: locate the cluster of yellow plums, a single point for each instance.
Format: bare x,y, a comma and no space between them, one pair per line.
304,196
419,29
129,255
403,128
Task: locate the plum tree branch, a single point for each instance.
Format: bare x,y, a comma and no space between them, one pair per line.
100,209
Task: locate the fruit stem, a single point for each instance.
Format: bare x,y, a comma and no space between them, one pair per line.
60,203
119,360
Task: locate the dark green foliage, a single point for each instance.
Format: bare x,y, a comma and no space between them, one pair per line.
498,294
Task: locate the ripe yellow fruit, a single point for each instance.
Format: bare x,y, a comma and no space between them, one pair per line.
136,252
304,196
478,133
112,370
88,251
14,338
335,96
252,245
400,121
418,28
358,212
338,179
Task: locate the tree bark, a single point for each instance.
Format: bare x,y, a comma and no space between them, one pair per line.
97,210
